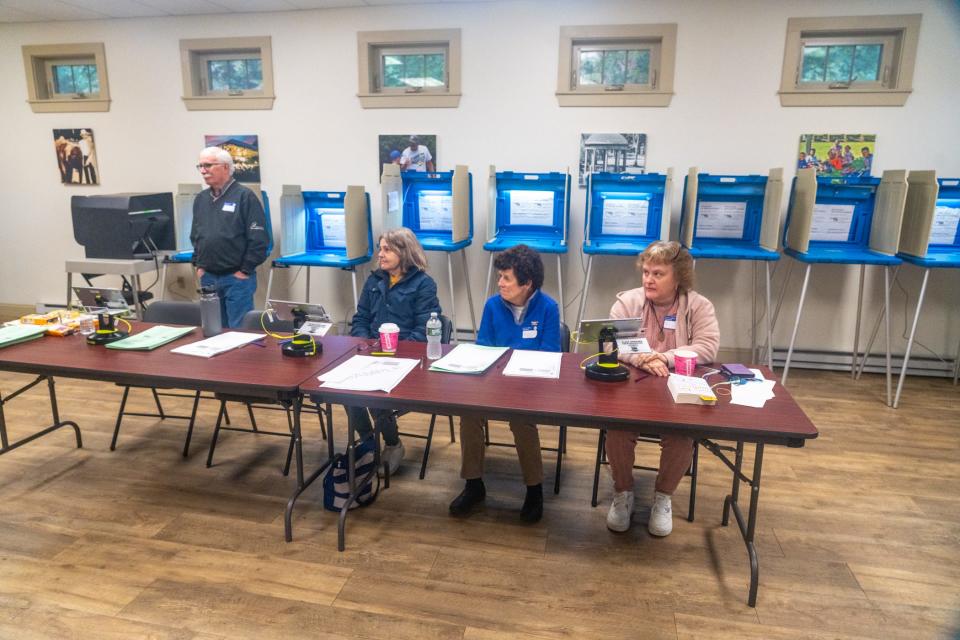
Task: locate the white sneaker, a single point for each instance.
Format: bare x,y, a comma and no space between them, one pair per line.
621,510
392,455
661,515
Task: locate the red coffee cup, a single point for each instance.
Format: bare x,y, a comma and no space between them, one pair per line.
684,362
389,337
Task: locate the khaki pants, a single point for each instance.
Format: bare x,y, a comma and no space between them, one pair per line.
472,449
676,454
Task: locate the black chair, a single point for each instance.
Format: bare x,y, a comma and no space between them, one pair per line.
602,459
446,333
164,312
561,447
256,321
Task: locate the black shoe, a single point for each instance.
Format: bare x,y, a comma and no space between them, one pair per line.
472,495
532,509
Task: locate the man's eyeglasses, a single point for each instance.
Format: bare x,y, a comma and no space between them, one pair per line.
207,165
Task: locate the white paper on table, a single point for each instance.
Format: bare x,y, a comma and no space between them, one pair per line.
468,358
368,373
393,202
436,212
533,364
945,222
334,227
752,393
831,222
531,207
217,344
720,219
624,217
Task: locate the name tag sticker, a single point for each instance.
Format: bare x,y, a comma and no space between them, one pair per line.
229,207
530,333
670,322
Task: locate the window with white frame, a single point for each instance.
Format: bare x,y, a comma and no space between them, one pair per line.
862,60
616,65
67,77
418,68
227,73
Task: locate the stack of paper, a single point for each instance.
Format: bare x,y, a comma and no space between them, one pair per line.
690,390
14,333
533,364
368,373
468,358
217,344
752,393
151,338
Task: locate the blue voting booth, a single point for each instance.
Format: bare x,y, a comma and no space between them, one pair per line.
726,217
929,239
852,220
324,229
183,222
438,209
625,212
531,209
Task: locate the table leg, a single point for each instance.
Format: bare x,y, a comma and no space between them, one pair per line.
302,482
748,527
6,446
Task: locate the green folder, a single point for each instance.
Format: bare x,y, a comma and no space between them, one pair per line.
17,333
151,338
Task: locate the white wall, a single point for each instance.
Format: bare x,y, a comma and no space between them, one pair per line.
724,118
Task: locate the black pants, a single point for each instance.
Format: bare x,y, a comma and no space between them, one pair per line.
359,417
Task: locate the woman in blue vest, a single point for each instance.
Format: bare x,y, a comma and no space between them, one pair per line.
521,316
401,292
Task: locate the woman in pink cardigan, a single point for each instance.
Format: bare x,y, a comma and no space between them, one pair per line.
673,316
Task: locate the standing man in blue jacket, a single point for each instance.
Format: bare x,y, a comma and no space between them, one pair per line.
521,316
229,236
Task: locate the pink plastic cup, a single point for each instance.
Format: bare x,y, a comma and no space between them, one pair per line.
389,337
684,362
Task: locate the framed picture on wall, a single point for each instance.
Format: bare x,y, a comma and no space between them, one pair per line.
245,151
413,152
76,156
837,154
611,153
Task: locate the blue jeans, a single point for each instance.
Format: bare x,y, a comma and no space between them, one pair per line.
236,296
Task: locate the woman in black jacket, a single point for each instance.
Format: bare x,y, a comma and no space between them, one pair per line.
401,292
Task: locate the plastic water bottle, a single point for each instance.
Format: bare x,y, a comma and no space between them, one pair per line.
210,313
434,351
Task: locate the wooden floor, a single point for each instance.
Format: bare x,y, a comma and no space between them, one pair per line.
859,536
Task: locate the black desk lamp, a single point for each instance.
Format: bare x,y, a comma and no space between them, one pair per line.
107,331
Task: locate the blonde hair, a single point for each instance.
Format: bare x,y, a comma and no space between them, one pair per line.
405,244
674,254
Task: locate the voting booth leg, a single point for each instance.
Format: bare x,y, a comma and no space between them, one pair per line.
876,328
783,292
913,332
956,366
269,281
466,281
753,316
856,332
356,300
453,301
69,288
583,293
163,280
796,325
6,446
486,290
560,288
307,293
886,305
766,315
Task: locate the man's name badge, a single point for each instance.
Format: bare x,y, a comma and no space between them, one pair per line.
229,207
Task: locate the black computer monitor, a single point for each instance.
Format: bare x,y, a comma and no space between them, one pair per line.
124,225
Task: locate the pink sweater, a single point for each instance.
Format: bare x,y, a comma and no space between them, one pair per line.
697,328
